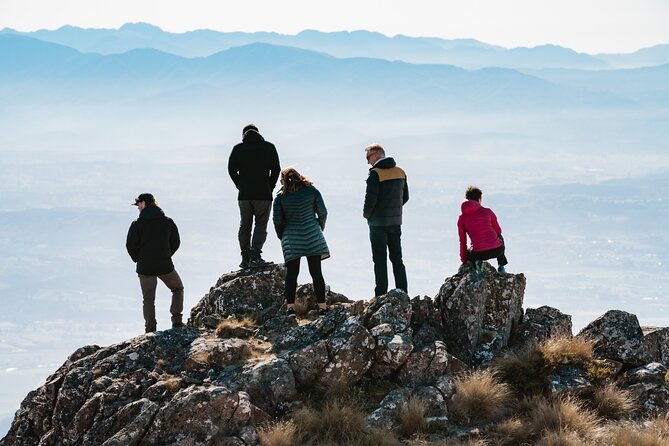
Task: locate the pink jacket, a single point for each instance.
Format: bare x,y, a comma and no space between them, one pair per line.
481,225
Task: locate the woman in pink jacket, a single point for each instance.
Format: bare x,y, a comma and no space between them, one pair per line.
480,224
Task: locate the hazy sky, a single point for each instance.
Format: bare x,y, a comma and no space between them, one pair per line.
585,25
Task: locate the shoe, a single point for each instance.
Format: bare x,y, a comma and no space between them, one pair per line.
323,311
501,269
245,259
290,312
256,261
149,330
178,325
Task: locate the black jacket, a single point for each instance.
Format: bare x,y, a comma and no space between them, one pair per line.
152,240
254,167
387,191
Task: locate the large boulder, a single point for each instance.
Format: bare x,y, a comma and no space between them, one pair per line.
656,342
254,293
617,335
543,323
479,311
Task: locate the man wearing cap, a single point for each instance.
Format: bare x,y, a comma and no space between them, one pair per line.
152,241
254,168
387,192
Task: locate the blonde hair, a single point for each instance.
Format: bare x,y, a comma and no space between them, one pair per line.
293,180
375,148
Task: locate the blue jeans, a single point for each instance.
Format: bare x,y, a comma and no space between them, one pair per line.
387,239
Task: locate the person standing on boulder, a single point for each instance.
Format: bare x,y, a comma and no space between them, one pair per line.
387,192
299,219
151,242
254,168
480,224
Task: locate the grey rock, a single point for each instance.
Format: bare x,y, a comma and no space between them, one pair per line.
426,365
653,373
392,351
540,324
393,308
473,304
617,335
569,378
656,342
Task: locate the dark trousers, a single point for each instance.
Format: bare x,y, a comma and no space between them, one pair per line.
497,253
293,270
149,285
248,210
387,239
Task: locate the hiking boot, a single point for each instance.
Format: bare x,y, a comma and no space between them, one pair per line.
246,258
290,312
255,260
501,269
323,311
178,325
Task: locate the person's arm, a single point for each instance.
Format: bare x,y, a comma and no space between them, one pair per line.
462,235
405,198
175,240
233,167
277,218
495,225
275,168
321,210
132,241
371,194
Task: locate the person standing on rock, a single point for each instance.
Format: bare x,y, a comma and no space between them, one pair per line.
387,192
480,224
151,242
299,216
254,168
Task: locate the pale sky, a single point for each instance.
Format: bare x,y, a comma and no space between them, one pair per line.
585,25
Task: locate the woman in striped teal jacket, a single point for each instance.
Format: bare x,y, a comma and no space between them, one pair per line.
299,219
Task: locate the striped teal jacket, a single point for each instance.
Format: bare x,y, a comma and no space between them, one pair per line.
299,220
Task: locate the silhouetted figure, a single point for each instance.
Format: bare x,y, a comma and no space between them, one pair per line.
387,192
254,168
152,241
299,219
485,234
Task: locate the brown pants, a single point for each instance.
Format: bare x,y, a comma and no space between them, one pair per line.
149,285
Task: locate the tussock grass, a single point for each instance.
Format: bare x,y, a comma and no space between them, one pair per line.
526,371
227,328
567,350
301,307
653,432
562,415
562,438
598,371
480,397
412,417
613,403
172,385
282,433
337,422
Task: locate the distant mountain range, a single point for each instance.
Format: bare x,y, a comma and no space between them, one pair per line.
466,53
31,68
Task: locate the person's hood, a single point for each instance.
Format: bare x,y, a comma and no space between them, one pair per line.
470,206
252,136
385,163
151,212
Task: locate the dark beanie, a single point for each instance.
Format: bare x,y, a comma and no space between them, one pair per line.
249,127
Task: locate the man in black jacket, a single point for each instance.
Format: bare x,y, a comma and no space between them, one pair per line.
152,241
254,168
387,192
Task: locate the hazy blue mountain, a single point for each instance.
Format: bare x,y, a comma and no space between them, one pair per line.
468,53
280,74
648,85
645,57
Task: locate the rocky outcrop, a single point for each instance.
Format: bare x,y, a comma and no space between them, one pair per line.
479,310
201,386
656,343
617,335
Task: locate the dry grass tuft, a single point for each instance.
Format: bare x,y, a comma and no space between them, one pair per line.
412,417
598,371
562,415
613,403
525,371
160,366
279,434
567,350
511,432
173,385
338,422
301,307
651,433
228,327
562,438
480,397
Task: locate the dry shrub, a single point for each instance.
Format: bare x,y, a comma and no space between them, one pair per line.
598,371
562,438
646,434
227,328
525,371
412,416
562,415
301,307
338,422
172,385
278,434
567,350
613,403
511,432
480,397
